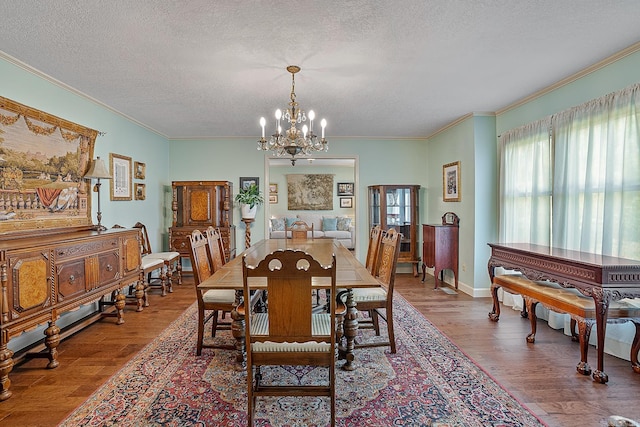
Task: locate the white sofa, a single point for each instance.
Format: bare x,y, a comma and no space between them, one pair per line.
324,226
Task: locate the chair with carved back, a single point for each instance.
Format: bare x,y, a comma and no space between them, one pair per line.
379,301
299,230
289,332
148,266
171,260
214,300
217,259
216,248
375,237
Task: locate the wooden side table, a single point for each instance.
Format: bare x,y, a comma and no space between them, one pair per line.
440,247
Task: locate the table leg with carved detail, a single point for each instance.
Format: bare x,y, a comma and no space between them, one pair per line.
602,299
238,331
350,327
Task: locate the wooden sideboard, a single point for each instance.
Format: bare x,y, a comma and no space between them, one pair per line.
440,247
44,275
197,205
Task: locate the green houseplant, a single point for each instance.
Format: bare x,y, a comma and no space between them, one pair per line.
249,199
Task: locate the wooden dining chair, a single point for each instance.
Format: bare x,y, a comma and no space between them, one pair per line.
216,248
375,237
299,230
379,301
170,259
213,300
148,267
289,332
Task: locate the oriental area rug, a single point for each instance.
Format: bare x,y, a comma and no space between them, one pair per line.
428,382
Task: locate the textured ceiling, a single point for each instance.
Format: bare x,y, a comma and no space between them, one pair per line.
202,68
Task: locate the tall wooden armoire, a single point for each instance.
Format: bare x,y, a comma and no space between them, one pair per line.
198,204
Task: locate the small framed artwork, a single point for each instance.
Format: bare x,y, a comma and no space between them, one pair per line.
120,167
273,188
140,170
273,198
345,189
451,190
346,202
245,182
140,191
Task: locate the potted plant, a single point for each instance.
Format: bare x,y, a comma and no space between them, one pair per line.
249,199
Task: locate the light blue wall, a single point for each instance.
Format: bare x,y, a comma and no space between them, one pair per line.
453,145
474,142
610,78
379,162
122,137
278,175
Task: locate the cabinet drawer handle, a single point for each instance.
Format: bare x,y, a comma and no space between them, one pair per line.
109,267
72,278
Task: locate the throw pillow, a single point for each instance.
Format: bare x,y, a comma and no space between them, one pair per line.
277,224
343,223
329,224
290,221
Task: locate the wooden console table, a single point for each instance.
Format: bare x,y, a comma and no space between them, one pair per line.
42,276
604,278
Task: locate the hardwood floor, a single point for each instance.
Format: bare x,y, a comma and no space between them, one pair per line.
541,375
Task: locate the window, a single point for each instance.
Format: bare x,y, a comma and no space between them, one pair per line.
578,186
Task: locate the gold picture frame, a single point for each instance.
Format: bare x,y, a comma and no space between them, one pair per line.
140,170
140,191
451,183
273,188
273,198
120,184
39,193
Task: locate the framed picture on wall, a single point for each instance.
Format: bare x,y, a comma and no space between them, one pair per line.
346,202
140,170
273,198
246,181
141,191
451,190
273,188
345,189
120,177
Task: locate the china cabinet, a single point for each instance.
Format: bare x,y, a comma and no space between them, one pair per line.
396,206
197,205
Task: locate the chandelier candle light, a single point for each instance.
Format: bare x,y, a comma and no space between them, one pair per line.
294,142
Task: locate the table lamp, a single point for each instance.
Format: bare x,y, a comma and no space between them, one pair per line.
98,171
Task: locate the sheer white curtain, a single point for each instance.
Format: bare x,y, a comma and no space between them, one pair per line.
525,184
596,190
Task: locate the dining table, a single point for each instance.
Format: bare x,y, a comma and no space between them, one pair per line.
350,274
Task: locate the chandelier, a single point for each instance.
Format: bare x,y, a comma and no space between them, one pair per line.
293,142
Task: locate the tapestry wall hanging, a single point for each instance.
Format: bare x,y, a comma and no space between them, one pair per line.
42,161
310,192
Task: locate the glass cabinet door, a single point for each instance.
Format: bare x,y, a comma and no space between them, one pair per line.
396,206
374,207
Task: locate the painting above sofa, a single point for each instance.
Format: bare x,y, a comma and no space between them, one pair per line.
310,192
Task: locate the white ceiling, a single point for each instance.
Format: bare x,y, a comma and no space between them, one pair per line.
203,68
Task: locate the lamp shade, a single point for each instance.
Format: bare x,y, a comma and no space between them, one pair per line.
98,170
